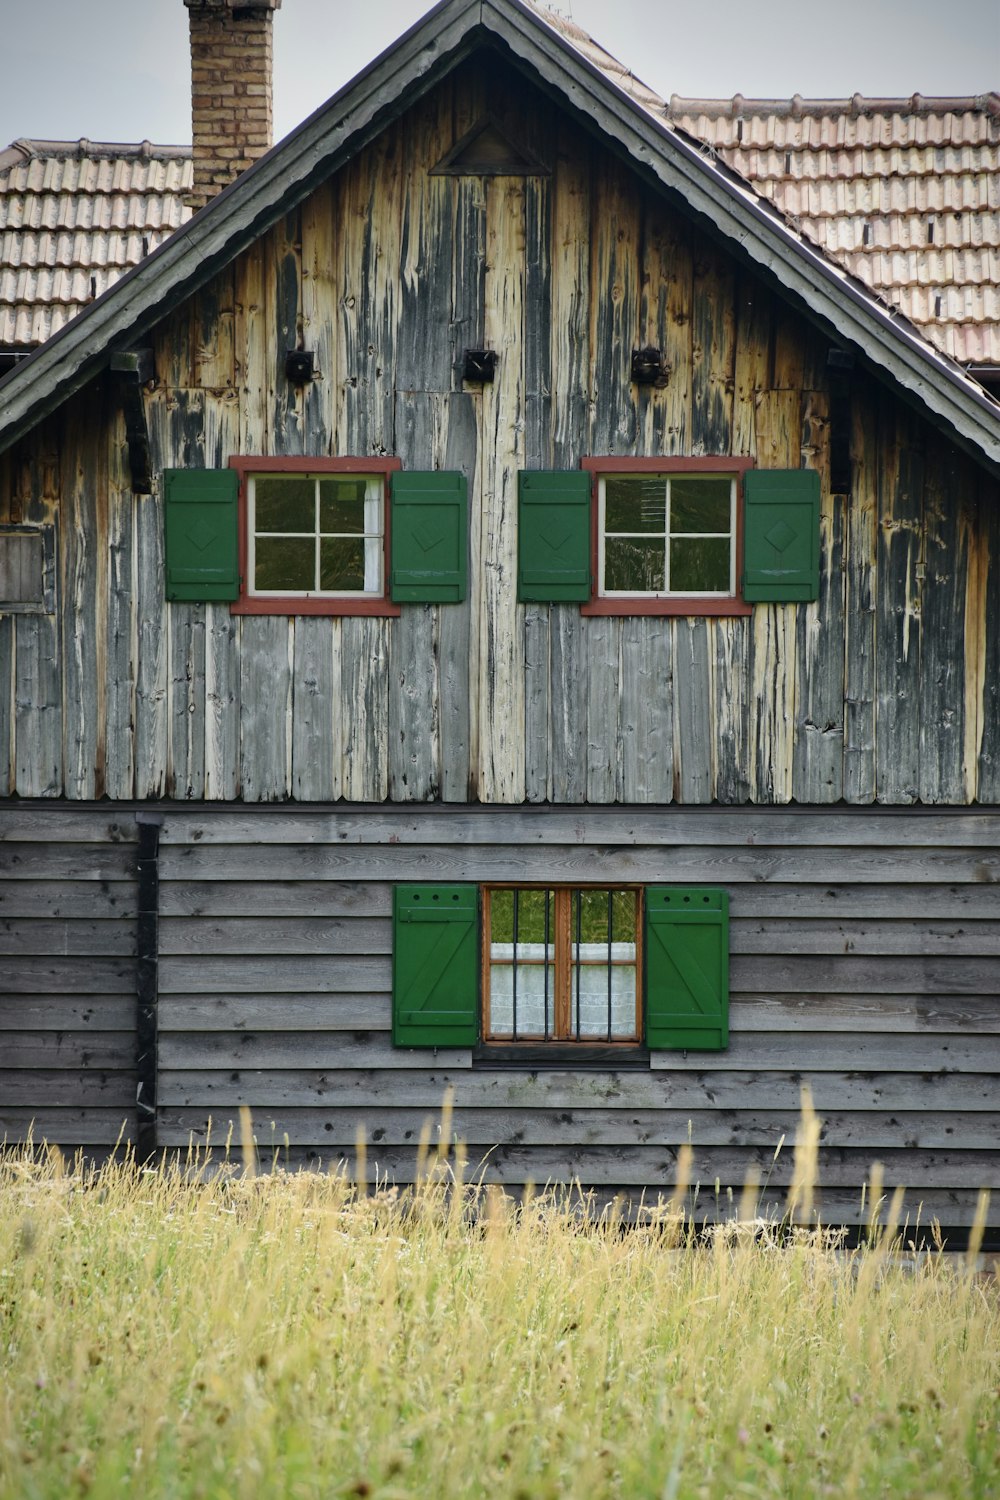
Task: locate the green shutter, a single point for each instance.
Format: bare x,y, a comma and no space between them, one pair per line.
430,538
687,968
200,534
781,536
435,966
553,536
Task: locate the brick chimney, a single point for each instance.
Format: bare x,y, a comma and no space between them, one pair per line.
230,89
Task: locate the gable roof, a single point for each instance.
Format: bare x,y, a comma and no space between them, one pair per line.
533,40
74,217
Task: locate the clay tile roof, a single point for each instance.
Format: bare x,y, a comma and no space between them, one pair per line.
74,216
904,193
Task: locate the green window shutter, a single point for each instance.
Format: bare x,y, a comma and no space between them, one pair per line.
687,968
430,538
200,534
435,966
553,536
780,536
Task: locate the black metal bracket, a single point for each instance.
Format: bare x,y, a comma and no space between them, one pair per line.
300,366
649,367
480,366
133,369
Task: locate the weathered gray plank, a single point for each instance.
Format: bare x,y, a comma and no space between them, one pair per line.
604,772
365,709
818,755
959,829
871,1092
268,935
899,632
921,935
988,523
70,862
733,643
67,1127
275,974
38,688
80,1013
860,571
923,905
275,1013
39,1089
151,659
317,754
385,1125
265,708
320,294
67,899
646,713
693,696
83,511
694,865
222,630
537,455
537,703
949,572
414,737
47,975
119,659
66,823
292,1050
864,973
6,705
87,1051
66,937
568,703
283,331
186,702
457,641
713,349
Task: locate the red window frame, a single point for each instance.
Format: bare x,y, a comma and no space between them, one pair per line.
676,605
261,604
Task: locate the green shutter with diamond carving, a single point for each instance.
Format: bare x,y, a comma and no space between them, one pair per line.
781,536
200,534
429,539
553,536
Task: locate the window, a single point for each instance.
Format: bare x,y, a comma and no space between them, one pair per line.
314,536
27,569
668,536
550,972
561,965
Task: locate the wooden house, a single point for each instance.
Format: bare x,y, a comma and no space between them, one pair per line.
490,605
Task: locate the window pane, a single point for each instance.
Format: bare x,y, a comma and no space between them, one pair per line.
632,504
700,565
700,504
522,978
342,505
593,993
342,564
633,565
284,563
284,504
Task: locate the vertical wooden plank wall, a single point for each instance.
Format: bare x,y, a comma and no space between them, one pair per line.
883,689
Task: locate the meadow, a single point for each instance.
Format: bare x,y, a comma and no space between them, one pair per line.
204,1329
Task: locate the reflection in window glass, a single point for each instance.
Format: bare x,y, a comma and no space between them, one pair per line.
316,534
665,534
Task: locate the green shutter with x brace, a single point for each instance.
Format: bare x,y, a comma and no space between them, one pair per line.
435,966
687,968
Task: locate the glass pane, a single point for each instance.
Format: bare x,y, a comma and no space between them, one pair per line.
700,565
522,979
594,991
635,504
342,504
623,916
284,563
342,565
700,504
283,503
634,565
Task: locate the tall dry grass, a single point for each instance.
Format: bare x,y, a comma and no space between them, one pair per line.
228,1334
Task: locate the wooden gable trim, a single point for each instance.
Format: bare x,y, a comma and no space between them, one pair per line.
286,175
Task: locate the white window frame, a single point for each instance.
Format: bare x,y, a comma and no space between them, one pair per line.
375,494
667,477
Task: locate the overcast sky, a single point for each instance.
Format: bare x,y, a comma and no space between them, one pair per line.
117,70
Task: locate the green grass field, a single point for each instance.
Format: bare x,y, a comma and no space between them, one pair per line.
281,1334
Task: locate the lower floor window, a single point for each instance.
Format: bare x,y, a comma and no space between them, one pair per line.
561,964
517,968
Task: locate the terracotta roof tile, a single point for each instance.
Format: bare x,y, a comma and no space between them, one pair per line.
74,216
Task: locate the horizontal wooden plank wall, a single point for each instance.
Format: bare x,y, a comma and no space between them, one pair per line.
884,690
865,963
68,902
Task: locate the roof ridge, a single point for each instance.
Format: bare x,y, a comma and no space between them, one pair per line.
27,147
857,104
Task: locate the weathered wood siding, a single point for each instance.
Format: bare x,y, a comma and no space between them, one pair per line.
67,976
865,952
884,690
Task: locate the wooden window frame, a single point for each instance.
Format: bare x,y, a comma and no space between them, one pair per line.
562,942
311,604
716,605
